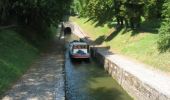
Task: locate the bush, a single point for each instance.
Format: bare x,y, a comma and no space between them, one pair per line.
164,31
164,39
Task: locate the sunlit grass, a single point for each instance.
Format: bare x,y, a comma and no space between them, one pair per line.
141,46
90,29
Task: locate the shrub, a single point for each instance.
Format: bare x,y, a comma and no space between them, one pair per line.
164,31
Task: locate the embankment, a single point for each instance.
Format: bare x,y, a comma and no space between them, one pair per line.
16,55
139,82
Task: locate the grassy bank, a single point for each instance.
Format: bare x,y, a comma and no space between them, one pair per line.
16,55
141,45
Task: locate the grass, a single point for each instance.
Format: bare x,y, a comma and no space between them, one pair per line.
16,55
140,45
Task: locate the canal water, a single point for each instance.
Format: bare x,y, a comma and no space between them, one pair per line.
89,81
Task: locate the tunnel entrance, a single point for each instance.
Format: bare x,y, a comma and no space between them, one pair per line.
67,30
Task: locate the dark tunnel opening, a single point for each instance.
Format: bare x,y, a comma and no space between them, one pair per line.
67,30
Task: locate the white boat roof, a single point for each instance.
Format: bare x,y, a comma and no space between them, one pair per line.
79,43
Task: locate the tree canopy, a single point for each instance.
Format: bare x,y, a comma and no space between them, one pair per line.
43,13
128,11
34,12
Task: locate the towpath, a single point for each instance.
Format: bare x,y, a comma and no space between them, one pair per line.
44,80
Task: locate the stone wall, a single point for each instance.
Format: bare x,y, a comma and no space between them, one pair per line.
138,89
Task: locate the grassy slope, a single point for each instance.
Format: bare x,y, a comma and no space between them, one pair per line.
142,46
16,55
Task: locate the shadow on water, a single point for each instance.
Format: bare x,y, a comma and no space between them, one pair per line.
103,93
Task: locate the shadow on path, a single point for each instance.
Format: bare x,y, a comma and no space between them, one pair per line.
44,80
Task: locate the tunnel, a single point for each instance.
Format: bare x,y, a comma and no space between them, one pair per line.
67,30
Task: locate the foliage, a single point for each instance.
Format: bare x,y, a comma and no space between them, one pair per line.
164,39
127,12
16,55
141,46
77,7
105,11
134,11
100,10
35,13
4,11
153,9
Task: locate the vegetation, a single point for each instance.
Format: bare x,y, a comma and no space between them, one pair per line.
164,40
136,44
16,55
38,14
20,46
129,13
139,19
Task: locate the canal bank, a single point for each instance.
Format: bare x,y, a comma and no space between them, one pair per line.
140,82
44,80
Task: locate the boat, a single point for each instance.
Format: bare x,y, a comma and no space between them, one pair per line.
79,50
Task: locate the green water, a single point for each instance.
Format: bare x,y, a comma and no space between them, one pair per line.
89,81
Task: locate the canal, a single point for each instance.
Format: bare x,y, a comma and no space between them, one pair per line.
89,81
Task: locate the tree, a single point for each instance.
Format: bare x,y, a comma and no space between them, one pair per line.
134,11
128,11
35,12
4,10
120,11
78,6
153,9
99,11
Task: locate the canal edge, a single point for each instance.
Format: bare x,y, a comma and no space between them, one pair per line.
135,85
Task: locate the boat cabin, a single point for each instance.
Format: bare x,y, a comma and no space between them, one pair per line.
79,50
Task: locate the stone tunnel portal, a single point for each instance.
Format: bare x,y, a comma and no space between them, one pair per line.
67,30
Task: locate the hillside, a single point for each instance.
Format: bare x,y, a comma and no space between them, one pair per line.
16,55
140,45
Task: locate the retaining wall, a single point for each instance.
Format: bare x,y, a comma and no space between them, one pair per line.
135,87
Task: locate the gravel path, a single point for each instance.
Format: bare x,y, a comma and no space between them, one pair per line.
44,80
